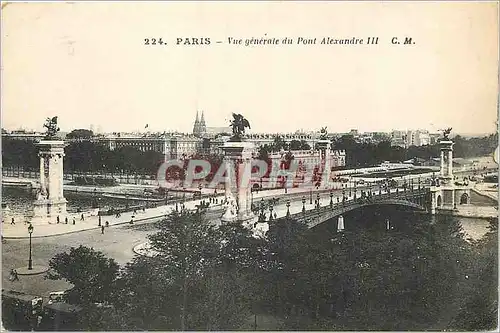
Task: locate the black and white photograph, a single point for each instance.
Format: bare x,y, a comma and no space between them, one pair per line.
249,166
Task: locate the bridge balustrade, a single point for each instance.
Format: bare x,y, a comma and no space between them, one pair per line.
339,208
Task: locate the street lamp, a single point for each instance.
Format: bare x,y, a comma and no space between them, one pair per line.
331,199
303,204
251,197
288,208
262,217
30,261
317,198
310,196
270,212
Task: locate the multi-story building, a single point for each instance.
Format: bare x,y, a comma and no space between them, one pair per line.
417,138
23,135
398,138
261,139
184,146
410,138
311,158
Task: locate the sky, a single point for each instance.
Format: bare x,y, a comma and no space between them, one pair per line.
88,64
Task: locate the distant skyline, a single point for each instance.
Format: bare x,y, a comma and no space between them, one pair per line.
87,63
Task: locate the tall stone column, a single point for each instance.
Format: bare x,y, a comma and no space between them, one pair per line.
42,175
238,187
324,153
442,164
450,163
50,202
446,147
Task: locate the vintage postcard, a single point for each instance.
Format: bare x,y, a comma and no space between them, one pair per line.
209,166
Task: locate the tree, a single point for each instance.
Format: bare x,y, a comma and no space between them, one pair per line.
205,271
278,144
92,274
20,153
80,134
479,310
188,246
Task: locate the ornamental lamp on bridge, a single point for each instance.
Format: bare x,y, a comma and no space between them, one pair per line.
331,199
288,208
30,261
303,204
262,216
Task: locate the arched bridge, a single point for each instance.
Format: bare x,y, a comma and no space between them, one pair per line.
417,199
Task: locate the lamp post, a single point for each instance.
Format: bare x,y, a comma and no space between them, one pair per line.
251,197
331,199
199,188
262,217
317,200
288,208
270,212
303,204
30,261
310,196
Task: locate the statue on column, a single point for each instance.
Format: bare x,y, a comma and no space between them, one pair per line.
52,128
323,133
239,123
446,133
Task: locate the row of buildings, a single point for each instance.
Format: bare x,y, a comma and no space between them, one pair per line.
209,140
410,138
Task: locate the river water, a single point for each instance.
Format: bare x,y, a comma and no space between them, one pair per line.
20,201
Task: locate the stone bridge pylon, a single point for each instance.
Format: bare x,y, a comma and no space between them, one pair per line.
445,193
50,201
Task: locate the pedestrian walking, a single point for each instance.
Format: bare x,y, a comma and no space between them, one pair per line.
102,230
74,222
66,220
57,219
107,224
12,221
13,275
99,220
82,218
